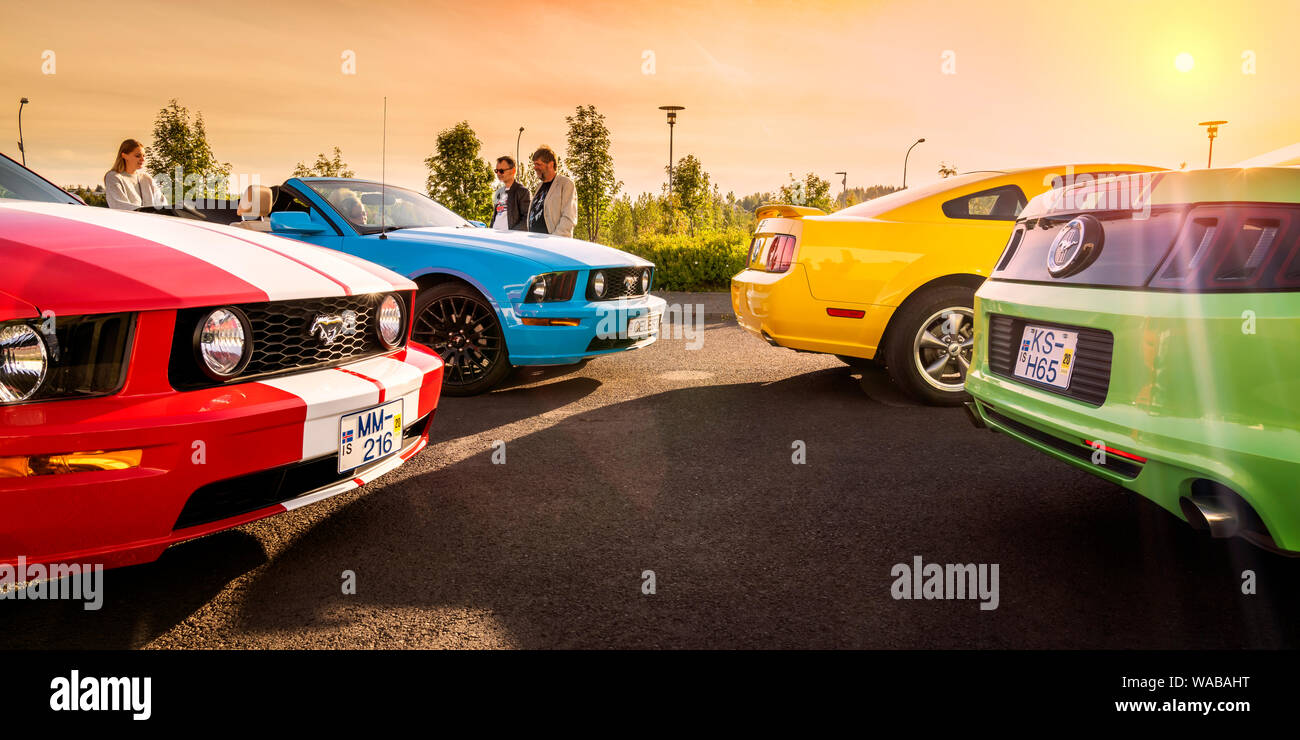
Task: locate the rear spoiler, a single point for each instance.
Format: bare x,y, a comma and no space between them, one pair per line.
778,210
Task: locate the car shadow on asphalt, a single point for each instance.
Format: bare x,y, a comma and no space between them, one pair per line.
749,547
139,602
467,416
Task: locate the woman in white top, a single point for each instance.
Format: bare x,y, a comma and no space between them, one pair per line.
127,186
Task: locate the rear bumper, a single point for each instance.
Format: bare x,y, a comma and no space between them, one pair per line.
601,330
190,442
1189,391
780,308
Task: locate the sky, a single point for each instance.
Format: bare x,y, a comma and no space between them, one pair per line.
770,88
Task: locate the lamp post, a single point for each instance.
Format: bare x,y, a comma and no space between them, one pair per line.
1212,129
517,138
905,157
672,121
844,187
21,150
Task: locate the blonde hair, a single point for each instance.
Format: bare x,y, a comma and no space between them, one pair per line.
128,146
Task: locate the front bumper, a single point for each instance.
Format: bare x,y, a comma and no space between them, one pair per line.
1190,389
233,445
780,309
601,329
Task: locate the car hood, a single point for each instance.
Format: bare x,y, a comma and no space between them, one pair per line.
74,259
559,252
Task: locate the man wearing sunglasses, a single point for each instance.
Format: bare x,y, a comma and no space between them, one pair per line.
510,204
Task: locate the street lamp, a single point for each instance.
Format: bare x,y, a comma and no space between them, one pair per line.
517,138
1211,128
844,187
909,153
21,150
672,121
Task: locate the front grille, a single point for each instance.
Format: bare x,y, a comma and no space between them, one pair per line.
247,493
281,337
1113,463
615,283
1090,378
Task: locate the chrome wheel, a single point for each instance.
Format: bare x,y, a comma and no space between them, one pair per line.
942,348
464,332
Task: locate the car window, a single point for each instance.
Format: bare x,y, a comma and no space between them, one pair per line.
19,183
995,204
367,205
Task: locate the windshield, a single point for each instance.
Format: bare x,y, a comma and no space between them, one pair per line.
19,183
359,202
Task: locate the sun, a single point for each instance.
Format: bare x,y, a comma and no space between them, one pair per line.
1184,62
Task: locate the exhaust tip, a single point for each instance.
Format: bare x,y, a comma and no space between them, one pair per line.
1210,515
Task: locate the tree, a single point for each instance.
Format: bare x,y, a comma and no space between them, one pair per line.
856,195
325,167
458,177
592,166
690,188
181,159
812,191
946,170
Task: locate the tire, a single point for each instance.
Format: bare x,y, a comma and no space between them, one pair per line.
462,327
931,327
857,363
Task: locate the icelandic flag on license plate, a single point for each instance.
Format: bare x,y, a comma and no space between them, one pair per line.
347,436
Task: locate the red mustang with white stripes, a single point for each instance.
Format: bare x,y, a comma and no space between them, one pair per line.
162,378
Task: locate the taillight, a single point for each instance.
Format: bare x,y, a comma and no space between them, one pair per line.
780,253
1234,248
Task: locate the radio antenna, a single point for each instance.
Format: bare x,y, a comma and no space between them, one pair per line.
383,178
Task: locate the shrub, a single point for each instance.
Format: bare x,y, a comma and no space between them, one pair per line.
706,261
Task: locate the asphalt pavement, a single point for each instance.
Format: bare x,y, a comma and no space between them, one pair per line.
542,513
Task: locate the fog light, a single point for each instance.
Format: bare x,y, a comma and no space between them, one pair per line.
390,321
25,466
598,284
645,281
222,343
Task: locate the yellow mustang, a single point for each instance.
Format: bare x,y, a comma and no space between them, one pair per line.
891,280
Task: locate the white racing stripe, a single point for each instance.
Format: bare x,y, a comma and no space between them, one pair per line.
280,278
400,379
329,394
358,279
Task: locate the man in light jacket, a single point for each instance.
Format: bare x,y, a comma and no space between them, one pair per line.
554,207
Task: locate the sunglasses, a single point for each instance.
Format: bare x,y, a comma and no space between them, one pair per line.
502,172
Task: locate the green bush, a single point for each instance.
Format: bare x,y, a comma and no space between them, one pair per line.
702,262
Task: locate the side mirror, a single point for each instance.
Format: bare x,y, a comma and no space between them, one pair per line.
479,224
294,222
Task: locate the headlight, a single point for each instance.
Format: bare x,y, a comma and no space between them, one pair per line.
24,362
645,280
598,284
222,343
391,321
551,287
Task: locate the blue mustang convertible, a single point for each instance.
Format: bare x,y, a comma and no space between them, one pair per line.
488,300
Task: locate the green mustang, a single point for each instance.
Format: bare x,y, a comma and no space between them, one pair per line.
1147,329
